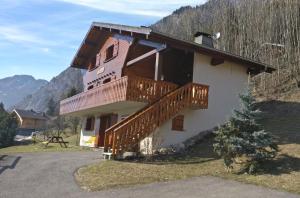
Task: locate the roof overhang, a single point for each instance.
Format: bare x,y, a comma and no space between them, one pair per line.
96,37
99,32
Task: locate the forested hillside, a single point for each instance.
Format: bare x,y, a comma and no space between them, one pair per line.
264,30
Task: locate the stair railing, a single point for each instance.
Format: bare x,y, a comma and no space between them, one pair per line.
127,134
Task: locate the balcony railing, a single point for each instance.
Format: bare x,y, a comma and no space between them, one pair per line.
128,88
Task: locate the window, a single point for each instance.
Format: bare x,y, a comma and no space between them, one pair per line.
90,87
177,123
90,122
106,80
109,53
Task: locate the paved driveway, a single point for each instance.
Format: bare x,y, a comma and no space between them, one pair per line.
40,175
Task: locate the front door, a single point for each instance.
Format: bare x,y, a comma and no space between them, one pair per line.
106,121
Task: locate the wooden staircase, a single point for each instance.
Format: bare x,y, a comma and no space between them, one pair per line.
126,135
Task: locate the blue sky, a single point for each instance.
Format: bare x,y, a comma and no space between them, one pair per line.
40,37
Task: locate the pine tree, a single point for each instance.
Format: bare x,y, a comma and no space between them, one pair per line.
51,107
242,140
72,92
8,127
73,122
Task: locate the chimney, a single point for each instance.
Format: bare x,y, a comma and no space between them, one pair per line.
204,39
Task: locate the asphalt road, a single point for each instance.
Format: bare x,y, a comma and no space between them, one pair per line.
50,175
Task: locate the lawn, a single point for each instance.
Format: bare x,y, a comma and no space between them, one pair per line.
39,147
283,173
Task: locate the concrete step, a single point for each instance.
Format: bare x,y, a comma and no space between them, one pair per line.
107,155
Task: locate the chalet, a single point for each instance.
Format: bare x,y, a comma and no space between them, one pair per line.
30,121
146,90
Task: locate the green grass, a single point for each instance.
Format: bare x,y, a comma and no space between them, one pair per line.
283,173
39,147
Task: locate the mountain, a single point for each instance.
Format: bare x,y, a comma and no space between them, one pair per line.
56,89
14,89
264,30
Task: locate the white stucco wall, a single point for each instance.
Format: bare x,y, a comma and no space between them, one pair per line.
225,82
88,138
123,113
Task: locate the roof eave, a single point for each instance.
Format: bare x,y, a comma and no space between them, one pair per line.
191,45
108,27
215,52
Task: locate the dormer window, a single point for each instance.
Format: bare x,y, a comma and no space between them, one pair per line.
109,53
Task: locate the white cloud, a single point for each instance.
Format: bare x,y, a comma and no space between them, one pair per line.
17,35
156,8
45,49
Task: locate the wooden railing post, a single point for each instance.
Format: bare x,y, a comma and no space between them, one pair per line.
114,143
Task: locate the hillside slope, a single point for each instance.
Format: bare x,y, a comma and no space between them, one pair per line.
14,89
247,27
57,88
267,31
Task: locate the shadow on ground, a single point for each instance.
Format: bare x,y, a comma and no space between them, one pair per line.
8,162
282,119
283,164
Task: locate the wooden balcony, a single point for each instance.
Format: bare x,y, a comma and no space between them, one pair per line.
127,88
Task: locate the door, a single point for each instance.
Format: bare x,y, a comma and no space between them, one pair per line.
106,121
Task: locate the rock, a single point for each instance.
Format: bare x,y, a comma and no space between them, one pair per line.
129,155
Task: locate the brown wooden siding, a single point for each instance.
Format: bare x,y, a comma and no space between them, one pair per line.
29,123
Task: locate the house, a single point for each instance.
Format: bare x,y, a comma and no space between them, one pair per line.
146,90
30,121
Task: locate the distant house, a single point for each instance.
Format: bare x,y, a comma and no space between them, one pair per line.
148,90
30,121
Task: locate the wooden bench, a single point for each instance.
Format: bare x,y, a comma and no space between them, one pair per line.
56,139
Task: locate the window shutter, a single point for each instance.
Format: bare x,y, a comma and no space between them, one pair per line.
116,48
90,122
98,59
177,123
93,123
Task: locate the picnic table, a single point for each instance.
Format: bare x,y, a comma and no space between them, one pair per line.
56,139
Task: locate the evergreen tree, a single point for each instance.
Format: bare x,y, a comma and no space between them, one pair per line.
51,107
72,92
242,140
73,122
8,127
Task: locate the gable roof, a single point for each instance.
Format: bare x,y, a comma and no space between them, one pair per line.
98,32
30,114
